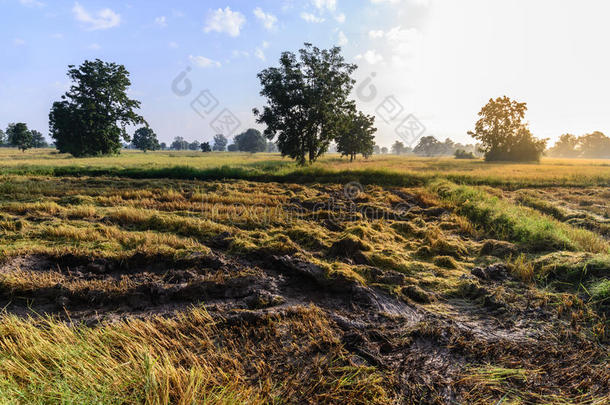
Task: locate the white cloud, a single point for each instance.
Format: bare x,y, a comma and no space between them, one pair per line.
267,19
340,18
103,19
322,5
385,1
173,44
342,40
259,53
405,44
94,47
226,21
31,3
161,21
311,18
372,57
203,62
18,42
57,36
237,53
373,34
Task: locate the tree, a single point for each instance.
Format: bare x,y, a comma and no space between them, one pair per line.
19,136
429,146
566,146
3,140
145,139
163,146
232,148
251,141
205,147
220,142
357,135
179,144
504,135
38,140
306,98
195,145
595,145
462,154
384,150
93,115
398,148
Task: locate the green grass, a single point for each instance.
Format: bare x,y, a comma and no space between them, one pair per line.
530,228
382,170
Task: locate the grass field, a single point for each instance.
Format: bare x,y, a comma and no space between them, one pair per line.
183,277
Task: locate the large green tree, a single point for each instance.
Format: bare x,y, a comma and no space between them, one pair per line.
357,135
3,140
93,115
250,141
19,135
145,139
38,140
306,98
220,143
179,144
503,133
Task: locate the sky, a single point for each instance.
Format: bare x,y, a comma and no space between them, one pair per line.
425,67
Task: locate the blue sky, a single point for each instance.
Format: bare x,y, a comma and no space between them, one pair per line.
435,60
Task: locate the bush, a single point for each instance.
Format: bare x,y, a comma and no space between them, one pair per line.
462,154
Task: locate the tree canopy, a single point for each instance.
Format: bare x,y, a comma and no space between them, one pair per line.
250,141
19,135
93,115
179,144
205,147
145,139
38,140
220,143
357,135
307,95
504,135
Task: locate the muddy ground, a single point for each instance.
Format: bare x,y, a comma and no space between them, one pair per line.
432,348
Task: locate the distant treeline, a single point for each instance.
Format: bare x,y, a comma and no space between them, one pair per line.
595,145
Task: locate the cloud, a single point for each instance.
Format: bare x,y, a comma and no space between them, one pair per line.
31,3
372,57
57,36
203,62
237,53
311,18
342,40
259,53
340,18
18,42
173,44
323,5
227,21
374,34
94,47
161,21
267,19
103,19
405,44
